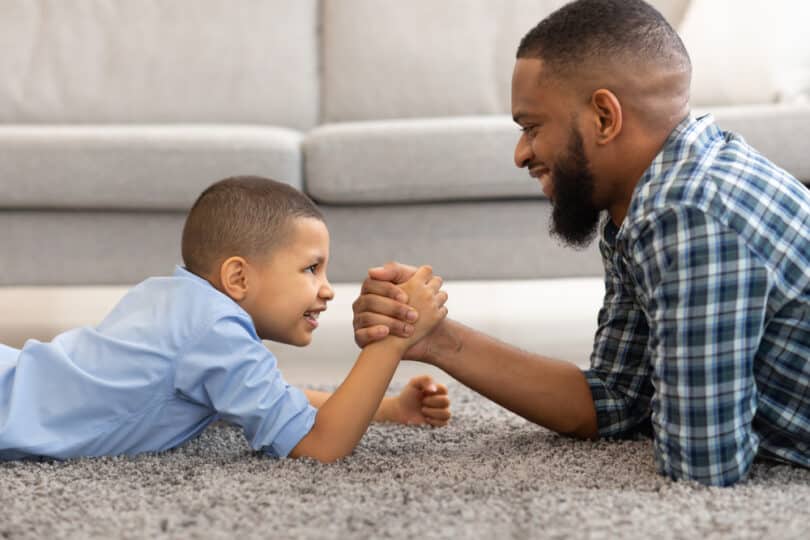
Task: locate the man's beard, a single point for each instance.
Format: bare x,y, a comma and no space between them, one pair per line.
574,217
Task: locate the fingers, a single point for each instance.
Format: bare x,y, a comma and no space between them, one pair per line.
364,336
367,307
392,271
383,289
365,321
436,401
436,417
436,405
435,283
423,275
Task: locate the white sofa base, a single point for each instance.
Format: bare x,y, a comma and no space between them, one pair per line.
554,317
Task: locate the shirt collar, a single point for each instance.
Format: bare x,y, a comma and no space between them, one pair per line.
179,271
690,135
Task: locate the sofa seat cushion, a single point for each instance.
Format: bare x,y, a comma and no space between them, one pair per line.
413,160
136,167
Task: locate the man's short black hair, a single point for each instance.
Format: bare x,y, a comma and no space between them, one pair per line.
246,216
593,32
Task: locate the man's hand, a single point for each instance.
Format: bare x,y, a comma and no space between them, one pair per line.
422,401
382,309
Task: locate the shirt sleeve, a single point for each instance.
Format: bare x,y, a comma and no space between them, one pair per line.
706,301
619,376
229,370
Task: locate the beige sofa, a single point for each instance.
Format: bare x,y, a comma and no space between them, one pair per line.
393,116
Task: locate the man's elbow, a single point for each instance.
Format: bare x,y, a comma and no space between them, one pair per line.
583,426
701,465
711,480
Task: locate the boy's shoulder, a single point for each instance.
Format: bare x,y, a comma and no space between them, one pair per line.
179,307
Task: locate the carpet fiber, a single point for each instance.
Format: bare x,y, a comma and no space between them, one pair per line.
488,475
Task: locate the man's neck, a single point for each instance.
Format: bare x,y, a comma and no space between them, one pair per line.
643,153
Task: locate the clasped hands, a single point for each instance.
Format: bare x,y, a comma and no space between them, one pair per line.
386,307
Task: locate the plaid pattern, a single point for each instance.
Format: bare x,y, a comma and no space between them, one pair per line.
704,335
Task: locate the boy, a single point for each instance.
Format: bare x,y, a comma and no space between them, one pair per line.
179,352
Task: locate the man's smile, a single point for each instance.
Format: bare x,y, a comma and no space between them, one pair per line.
543,174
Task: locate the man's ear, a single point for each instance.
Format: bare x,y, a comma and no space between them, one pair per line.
233,275
608,115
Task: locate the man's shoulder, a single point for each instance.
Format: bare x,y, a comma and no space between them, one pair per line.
725,181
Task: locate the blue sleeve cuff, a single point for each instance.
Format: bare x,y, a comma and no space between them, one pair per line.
291,434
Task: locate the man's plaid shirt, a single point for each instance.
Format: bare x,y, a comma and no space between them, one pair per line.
704,334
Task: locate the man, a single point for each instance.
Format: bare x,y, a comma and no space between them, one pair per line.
704,335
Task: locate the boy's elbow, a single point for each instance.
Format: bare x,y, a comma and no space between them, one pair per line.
317,447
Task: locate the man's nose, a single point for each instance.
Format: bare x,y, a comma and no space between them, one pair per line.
523,152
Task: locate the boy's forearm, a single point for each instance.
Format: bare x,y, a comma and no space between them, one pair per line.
344,416
552,393
386,412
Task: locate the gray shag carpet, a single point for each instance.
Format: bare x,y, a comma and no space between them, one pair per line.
488,475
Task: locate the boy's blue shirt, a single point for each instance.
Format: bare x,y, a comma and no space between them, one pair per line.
174,355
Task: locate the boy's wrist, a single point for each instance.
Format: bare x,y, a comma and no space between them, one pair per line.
394,343
389,409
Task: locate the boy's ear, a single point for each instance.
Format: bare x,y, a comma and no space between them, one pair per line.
234,278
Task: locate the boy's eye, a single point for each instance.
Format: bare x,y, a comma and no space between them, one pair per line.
313,268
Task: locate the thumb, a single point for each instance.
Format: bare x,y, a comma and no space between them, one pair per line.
423,383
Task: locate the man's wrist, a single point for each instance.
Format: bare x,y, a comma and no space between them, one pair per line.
443,343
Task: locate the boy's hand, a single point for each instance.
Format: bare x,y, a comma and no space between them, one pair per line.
423,401
425,296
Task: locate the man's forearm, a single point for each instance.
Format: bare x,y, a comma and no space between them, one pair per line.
548,392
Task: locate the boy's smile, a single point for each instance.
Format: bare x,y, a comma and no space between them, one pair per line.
288,291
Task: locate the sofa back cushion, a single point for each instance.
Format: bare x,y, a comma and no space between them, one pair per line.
153,61
422,58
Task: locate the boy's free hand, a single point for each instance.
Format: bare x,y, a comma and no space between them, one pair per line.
422,401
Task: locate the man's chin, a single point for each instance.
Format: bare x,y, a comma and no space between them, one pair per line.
578,237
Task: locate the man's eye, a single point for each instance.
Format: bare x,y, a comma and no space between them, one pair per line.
529,130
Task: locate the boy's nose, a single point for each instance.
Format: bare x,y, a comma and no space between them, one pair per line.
326,292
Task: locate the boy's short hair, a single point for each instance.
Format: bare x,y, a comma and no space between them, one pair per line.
244,216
